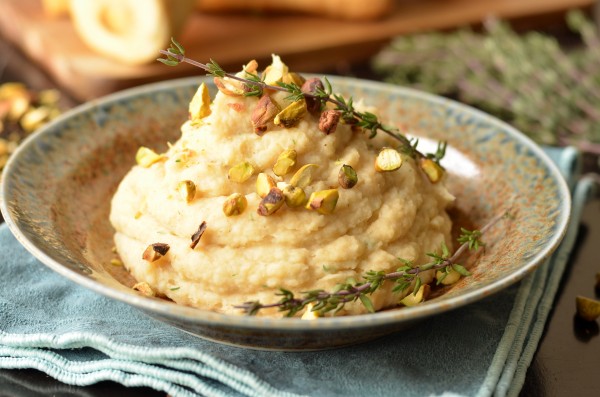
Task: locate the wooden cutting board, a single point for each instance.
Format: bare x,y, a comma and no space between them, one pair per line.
306,43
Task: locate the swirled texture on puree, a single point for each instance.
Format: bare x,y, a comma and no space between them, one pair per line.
242,258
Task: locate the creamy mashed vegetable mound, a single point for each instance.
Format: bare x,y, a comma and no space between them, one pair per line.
248,257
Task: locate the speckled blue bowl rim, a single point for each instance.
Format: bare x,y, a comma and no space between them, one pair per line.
172,310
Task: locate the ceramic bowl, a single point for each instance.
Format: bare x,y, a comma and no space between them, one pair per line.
57,188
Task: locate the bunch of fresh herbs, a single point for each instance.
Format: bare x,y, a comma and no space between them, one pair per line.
548,92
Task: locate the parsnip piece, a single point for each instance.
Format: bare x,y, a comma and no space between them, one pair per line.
129,31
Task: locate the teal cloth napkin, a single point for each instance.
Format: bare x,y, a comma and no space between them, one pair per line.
80,338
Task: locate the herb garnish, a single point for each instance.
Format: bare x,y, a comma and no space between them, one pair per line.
254,86
351,291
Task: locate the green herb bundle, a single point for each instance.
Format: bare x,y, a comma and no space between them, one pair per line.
547,92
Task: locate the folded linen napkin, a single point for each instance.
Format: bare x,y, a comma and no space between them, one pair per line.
80,338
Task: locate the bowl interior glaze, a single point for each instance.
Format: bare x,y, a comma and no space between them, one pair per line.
56,192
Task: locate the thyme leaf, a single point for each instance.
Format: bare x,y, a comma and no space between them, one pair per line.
175,54
403,277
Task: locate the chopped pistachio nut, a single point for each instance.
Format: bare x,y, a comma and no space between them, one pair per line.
312,86
285,162
303,177
12,89
145,157
588,309
413,299
271,202
275,71
49,97
347,177
282,185
328,121
198,235
309,314
248,68
294,196
291,114
235,204
264,183
228,87
241,172
155,251
388,159
200,104
293,78
34,118
323,201
144,288
432,169
19,106
447,278
187,190
116,262
264,112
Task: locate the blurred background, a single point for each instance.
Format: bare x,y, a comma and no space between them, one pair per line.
516,59
532,63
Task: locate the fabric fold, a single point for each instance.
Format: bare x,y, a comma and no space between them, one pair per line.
80,338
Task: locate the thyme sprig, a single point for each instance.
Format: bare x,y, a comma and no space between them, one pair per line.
255,86
351,291
545,87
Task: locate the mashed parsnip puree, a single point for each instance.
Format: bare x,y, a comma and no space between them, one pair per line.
246,254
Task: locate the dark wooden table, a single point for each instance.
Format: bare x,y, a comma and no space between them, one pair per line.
567,362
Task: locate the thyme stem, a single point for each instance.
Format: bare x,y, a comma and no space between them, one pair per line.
351,292
206,68
374,124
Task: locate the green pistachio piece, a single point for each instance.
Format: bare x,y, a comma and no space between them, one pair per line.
241,172
145,157
291,114
413,299
275,72
229,87
235,204
285,162
186,190
432,169
34,118
264,184
200,104
323,201
388,159
293,78
447,278
155,251
588,309
271,202
347,177
49,97
144,288
303,177
294,196
264,112
116,262
309,314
